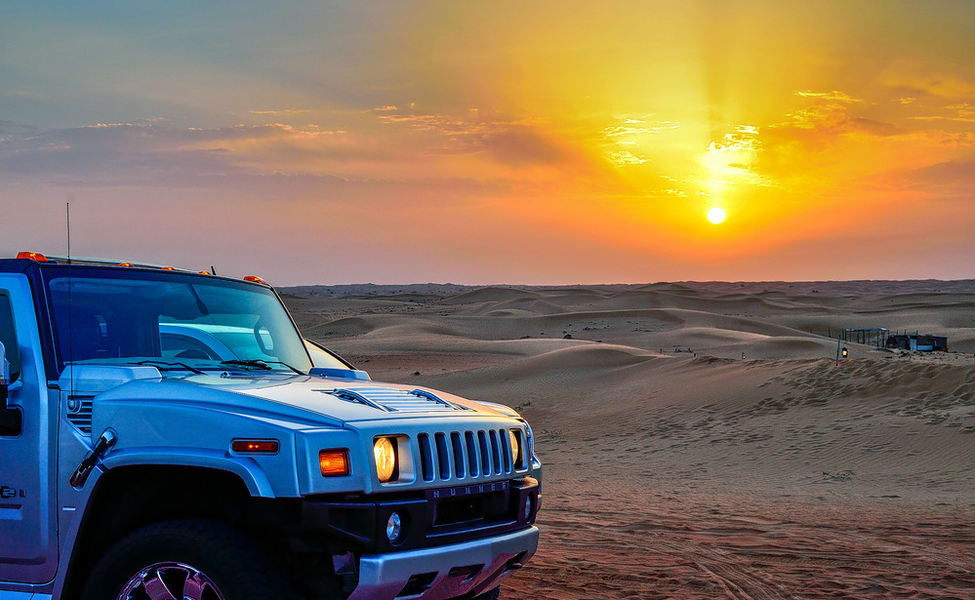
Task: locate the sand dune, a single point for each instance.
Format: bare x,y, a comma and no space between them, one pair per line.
490,294
676,469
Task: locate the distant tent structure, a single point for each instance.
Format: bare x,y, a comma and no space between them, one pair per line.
918,342
881,337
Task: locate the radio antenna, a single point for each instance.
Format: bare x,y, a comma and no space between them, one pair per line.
67,219
69,364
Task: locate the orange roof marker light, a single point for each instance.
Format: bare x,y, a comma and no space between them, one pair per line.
34,256
256,279
204,272
168,268
125,264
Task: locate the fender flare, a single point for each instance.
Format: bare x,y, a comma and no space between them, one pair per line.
258,485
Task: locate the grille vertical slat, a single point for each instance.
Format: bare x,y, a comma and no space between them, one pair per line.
443,456
460,462
485,453
472,460
426,456
495,452
505,450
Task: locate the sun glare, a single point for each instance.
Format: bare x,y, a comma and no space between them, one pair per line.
716,215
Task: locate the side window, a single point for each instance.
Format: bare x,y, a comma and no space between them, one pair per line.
322,358
8,335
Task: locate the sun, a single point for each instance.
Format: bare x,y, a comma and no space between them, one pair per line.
716,215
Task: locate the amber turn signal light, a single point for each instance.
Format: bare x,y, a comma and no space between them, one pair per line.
334,463
255,446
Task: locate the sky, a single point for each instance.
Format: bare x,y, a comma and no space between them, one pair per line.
502,142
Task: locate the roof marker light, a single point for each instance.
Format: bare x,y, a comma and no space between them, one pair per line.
204,272
34,256
168,268
125,264
256,279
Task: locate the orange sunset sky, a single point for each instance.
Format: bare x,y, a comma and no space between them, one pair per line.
495,142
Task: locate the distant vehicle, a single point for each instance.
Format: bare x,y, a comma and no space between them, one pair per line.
169,435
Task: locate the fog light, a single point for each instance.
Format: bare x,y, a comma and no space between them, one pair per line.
528,508
394,528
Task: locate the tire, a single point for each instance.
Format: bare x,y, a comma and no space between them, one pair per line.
494,594
203,560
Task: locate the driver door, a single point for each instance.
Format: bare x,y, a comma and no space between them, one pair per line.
28,453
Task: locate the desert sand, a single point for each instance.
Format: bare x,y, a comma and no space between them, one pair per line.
698,439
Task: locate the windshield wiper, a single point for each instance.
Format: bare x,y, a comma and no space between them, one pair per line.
157,363
258,362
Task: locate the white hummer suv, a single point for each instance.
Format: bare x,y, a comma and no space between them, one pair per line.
169,435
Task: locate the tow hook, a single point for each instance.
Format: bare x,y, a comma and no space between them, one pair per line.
105,441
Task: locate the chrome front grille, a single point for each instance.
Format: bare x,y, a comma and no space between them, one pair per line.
78,409
466,455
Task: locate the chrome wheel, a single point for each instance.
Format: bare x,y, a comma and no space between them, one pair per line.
170,581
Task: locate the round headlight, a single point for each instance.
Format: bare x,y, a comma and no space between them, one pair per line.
528,508
385,453
394,528
513,437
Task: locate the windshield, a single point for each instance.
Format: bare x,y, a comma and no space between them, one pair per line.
172,321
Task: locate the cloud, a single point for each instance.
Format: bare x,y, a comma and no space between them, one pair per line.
243,159
731,160
962,112
835,96
507,141
142,153
919,80
635,128
387,108
624,158
21,93
280,111
829,118
15,127
950,173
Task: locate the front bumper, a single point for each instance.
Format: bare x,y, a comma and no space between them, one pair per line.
439,517
443,572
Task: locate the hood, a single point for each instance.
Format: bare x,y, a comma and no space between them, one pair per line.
298,398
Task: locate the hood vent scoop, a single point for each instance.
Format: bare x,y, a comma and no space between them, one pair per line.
394,400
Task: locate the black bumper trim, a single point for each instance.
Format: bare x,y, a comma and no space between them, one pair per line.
443,516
